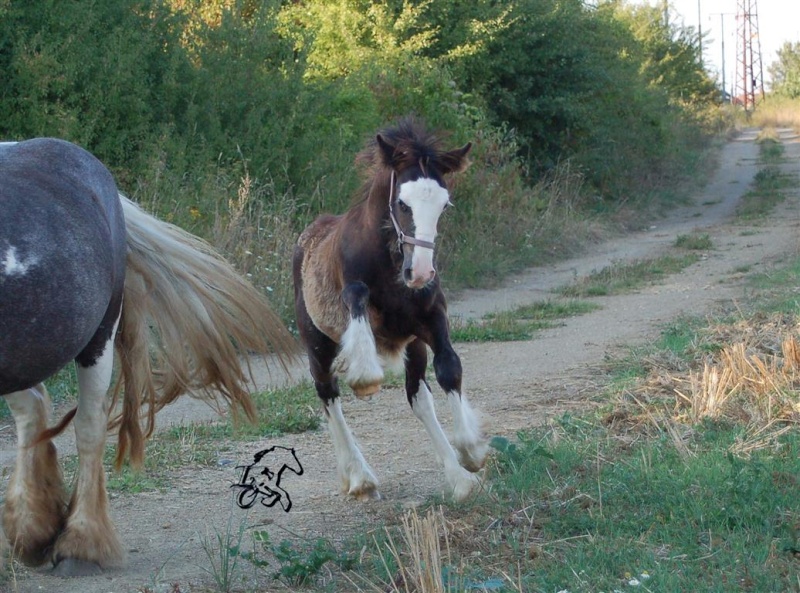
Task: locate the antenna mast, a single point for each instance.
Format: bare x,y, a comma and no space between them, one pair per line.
749,71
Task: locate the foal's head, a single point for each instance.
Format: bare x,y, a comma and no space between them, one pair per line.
417,193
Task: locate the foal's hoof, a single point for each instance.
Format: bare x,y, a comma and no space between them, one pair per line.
462,483
472,461
366,391
72,567
366,494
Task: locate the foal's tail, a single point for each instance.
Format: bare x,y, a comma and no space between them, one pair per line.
187,316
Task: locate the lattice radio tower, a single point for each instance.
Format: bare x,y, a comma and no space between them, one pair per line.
749,72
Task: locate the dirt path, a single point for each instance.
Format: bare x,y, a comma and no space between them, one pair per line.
517,385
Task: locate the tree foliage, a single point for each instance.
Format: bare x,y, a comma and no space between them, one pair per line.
180,89
785,71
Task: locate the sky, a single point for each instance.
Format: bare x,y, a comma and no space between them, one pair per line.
778,21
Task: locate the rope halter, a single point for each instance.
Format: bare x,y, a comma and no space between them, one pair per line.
401,236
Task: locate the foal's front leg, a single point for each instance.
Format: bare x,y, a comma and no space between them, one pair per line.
358,479
358,362
468,436
459,480
36,503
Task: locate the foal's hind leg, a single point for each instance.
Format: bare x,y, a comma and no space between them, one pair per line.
358,479
89,542
459,480
35,498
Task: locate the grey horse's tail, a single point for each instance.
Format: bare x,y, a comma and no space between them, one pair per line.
189,321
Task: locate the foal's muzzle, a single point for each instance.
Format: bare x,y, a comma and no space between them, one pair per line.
418,270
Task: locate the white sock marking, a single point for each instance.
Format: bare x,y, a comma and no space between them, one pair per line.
458,479
358,358
354,470
468,437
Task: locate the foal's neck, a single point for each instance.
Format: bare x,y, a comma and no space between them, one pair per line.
375,208
372,215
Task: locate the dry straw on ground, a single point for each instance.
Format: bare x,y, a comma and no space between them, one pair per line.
747,372
419,564
740,384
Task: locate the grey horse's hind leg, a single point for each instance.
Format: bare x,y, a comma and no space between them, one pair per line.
35,508
90,542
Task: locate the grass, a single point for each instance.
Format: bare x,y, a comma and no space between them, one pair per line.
769,182
694,242
596,507
778,113
288,410
767,192
625,277
697,493
520,323
684,478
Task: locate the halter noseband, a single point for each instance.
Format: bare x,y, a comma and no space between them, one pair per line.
401,236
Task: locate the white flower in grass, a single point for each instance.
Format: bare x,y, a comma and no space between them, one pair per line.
635,582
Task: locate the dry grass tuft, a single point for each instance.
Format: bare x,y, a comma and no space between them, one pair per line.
708,392
257,234
778,113
754,387
753,381
421,559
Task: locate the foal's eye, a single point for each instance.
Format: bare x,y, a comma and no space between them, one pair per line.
404,208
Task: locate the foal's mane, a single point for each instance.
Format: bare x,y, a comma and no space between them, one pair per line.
414,146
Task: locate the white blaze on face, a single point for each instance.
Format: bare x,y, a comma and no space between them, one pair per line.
427,200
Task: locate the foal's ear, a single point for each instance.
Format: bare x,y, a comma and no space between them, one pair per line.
455,161
386,150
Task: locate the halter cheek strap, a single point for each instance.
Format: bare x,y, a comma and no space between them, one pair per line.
401,236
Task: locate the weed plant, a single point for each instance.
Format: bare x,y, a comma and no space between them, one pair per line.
694,241
299,563
223,554
625,277
518,324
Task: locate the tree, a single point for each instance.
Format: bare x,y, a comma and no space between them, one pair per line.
785,71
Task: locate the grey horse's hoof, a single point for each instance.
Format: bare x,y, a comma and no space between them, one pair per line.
72,567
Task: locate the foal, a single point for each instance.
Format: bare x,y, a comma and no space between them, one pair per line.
367,294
